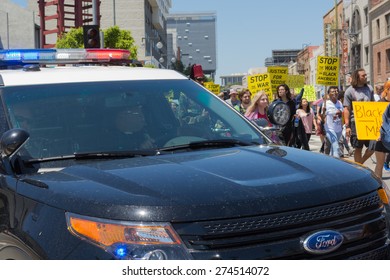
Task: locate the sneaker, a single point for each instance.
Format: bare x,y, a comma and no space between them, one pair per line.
386,166
350,152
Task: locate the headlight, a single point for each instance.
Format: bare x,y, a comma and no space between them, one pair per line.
127,240
278,113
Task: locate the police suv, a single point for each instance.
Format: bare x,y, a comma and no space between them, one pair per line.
103,161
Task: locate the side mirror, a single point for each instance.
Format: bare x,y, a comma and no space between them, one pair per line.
278,113
12,140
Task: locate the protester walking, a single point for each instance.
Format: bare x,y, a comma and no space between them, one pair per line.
245,101
306,114
344,140
380,149
320,120
233,100
258,108
333,126
284,94
358,91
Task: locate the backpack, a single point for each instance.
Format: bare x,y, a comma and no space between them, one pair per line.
385,128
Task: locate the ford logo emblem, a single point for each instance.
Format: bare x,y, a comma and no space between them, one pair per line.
322,242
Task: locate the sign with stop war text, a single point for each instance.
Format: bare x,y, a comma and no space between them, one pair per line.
260,82
328,69
214,88
278,75
368,119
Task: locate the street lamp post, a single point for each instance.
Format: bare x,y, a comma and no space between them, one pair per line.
151,40
162,60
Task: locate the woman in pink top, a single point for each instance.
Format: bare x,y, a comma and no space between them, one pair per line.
258,107
258,110
306,115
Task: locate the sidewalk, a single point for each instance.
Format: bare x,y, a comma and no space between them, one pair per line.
315,145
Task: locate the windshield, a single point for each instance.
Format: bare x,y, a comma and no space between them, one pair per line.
114,116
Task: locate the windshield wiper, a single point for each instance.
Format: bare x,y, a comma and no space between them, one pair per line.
95,155
220,143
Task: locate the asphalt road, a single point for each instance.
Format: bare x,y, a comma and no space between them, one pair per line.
315,145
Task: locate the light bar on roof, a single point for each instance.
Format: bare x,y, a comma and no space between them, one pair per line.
27,55
61,56
108,54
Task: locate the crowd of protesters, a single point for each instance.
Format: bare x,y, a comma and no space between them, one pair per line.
255,108
333,120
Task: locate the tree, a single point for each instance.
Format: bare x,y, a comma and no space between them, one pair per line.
71,40
114,38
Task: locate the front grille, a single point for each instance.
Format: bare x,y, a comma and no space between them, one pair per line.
279,236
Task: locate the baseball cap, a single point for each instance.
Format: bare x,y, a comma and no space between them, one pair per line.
232,91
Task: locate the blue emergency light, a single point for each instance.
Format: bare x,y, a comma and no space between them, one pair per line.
61,56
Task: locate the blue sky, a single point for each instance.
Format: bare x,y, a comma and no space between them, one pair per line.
248,30
20,2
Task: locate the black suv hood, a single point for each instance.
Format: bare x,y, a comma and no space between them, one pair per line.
209,184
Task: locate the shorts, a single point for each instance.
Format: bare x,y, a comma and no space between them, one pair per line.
380,148
358,144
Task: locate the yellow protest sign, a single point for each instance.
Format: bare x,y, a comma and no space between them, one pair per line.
260,82
214,88
278,75
295,81
309,93
368,119
328,69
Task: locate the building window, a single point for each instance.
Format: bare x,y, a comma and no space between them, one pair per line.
365,16
356,23
378,29
366,55
387,17
379,61
388,60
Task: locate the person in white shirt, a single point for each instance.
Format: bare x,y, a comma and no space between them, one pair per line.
333,125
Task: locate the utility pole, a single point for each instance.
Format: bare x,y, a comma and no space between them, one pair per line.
95,21
94,12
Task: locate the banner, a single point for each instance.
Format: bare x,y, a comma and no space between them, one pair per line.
260,82
328,69
368,119
214,88
295,81
278,75
309,93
